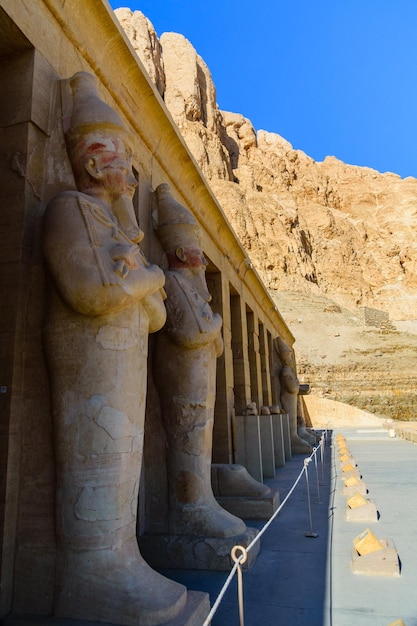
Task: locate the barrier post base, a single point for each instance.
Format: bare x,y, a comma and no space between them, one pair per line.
382,562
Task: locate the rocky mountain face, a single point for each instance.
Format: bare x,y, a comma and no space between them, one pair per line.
336,234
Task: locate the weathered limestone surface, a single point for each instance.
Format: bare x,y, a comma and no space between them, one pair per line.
200,532
197,552
267,446
289,393
368,367
316,229
42,44
278,431
248,444
237,492
186,351
326,227
105,298
145,42
190,96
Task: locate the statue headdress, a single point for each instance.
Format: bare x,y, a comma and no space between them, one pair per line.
93,126
95,130
176,224
285,352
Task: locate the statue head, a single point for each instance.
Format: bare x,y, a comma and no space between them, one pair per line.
97,141
285,353
179,233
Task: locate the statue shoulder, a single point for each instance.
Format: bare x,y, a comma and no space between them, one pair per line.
176,301
62,213
67,203
72,212
70,195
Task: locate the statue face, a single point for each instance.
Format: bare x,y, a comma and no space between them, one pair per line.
195,259
190,258
192,263
109,170
118,179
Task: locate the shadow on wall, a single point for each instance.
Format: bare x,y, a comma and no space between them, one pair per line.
324,413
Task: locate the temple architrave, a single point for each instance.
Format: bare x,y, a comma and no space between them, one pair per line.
95,306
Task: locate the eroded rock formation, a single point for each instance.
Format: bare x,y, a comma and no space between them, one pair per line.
336,236
323,228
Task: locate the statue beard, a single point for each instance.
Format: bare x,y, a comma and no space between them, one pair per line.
124,211
198,280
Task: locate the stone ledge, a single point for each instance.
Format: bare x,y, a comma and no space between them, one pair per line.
194,613
251,507
192,552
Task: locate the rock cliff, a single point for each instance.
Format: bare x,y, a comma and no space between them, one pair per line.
327,230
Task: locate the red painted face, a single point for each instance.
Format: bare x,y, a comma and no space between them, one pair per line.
191,258
118,178
111,159
195,258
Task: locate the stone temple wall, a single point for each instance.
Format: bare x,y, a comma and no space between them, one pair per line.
42,44
373,317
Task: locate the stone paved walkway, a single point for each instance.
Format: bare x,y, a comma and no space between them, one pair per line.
300,580
304,581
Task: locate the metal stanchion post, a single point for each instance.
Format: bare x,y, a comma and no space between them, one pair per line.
317,476
322,455
309,533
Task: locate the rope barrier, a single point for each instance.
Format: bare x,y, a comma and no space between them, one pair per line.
322,454
317,478
309,533
221,594
241,559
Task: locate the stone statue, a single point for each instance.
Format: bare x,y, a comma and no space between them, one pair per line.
251,409
289,393
104,299
185,375
276,367
308,434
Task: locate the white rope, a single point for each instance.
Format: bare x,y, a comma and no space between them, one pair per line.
269,522
221,594
242,557
240,560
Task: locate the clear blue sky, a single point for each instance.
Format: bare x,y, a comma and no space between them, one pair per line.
333,77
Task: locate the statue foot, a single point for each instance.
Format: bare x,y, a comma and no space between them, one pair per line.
314,434
205,521
299,446
306,436
235,480
118,586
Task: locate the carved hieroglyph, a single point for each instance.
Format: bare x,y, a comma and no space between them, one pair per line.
289,393
185,375
104,299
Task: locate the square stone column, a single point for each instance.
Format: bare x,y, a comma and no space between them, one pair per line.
248,450
240,357
265,365
286,436
219,289
278,432
254,357
267,446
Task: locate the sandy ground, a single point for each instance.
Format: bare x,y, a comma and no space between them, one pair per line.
330,335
